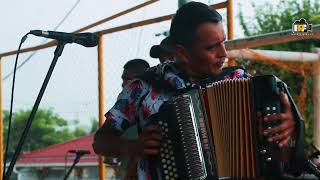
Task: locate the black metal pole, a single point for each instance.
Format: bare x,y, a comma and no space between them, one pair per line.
57,54
75,161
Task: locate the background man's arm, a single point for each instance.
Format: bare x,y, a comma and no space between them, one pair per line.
108,142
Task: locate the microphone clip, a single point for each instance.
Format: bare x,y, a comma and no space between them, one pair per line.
79,152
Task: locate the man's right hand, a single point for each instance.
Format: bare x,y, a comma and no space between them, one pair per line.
149,141
107,142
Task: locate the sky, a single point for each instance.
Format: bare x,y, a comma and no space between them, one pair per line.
72,91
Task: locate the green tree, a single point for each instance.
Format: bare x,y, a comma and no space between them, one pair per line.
47,128
270,18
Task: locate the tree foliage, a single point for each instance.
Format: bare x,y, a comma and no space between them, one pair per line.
47,128
272,18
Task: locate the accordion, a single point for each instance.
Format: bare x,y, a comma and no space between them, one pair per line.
215,132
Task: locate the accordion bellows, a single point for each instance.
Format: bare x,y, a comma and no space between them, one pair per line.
232,128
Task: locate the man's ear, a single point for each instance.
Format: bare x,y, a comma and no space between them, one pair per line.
182,54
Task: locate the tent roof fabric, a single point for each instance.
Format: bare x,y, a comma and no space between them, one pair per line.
59,153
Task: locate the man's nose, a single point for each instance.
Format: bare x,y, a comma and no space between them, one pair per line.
222,51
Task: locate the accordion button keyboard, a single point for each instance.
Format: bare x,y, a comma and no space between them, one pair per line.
263,151
174,169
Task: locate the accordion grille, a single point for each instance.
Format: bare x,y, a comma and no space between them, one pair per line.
190,137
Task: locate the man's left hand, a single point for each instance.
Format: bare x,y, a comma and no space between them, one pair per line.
286,130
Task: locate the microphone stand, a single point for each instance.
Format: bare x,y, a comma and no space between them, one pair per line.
57,54
75,161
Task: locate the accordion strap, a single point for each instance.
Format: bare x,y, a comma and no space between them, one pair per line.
296,165
156,81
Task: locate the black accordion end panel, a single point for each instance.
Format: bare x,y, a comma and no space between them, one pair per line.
266,99
186,151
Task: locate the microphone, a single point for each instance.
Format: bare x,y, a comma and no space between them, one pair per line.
85,39
79,152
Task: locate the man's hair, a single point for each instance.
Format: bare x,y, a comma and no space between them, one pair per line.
187,20
137,64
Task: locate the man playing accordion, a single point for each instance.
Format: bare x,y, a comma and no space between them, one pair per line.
200,53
